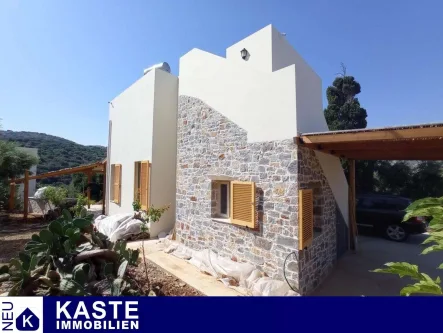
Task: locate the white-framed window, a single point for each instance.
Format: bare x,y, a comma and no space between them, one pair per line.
220,199
223,199
233,202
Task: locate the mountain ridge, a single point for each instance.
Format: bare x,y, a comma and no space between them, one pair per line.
55,152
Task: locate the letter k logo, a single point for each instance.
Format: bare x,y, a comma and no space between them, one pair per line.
27,321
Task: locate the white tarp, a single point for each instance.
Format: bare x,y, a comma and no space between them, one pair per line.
119,226
40,193
250,280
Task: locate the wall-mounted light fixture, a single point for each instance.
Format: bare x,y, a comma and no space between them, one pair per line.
244,54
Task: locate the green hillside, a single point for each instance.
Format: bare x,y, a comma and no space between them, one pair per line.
55,153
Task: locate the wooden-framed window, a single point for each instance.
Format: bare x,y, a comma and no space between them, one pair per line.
116,177
234,202
141,182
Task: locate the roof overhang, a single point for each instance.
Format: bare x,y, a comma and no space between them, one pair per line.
416,142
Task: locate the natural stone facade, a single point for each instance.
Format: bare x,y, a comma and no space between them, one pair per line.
211,146
316,262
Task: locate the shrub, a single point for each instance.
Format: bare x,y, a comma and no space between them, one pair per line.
79,207
136,205
56,195
433,208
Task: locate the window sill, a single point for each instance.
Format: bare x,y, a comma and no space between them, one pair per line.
221,219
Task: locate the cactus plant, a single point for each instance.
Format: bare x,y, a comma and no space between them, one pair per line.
70,258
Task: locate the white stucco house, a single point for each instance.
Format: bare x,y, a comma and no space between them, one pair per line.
219,139
142,147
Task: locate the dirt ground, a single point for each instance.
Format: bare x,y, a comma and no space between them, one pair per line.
15,233
162,282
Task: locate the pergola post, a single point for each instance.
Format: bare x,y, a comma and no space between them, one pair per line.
26,195
352,213
88,190
11,195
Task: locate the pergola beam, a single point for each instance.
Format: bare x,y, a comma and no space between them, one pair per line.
88,169
414,155
383,145
430,131
69,171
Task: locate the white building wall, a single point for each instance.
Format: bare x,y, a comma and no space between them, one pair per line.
132,114
164,151
310,115
143,127
274,95
262,103
259,47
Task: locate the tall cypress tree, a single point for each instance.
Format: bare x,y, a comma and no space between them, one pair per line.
344,111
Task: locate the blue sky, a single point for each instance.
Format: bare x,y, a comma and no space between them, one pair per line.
62,61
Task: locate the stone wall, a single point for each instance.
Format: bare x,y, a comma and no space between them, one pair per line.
316,262
211,147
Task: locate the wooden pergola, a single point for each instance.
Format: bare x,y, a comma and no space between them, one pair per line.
89,170
416,142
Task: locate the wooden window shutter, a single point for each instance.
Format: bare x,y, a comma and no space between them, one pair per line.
144,184
243,203
305,218
117,182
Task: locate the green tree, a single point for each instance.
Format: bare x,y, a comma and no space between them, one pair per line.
80,182
393,177
344,111
423,283
427,180
13,164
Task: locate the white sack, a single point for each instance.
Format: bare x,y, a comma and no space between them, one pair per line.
251,280
266,286
119,226
40,193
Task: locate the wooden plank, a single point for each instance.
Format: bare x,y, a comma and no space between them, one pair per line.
383,145
431,155
352,214
64,172
144,184
383,134
243,203
11,202
26,196
136,181
117,183
305,218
